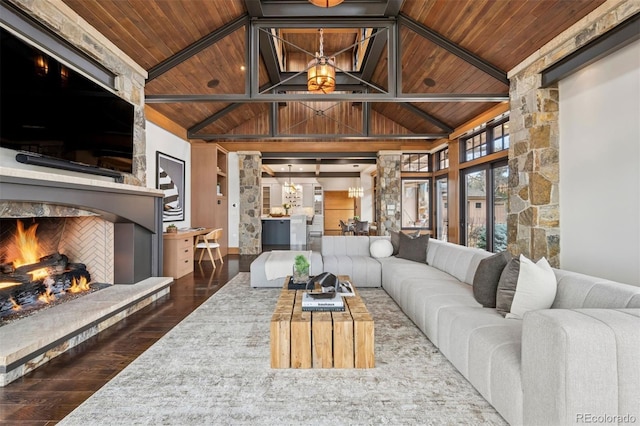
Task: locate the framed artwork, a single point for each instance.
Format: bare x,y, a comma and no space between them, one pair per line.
170,179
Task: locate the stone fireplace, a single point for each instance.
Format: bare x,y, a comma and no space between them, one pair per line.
114,230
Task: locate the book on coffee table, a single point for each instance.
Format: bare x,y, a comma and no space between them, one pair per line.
322,302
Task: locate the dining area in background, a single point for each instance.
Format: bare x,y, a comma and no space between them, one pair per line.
354,226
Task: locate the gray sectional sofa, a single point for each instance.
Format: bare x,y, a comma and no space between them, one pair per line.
578,360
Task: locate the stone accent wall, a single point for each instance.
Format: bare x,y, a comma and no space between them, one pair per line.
250,232
534,220
130,77
389,192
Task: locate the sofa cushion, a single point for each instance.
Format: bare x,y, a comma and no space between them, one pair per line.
457,260
381,248
413,248
364,271
507,286
577,291
536,287
395,241
340,245
485,280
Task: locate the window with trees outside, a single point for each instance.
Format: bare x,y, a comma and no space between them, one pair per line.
442,159
415,203
484,209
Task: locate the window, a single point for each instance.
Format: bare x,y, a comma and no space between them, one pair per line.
415,163
442,216
415,203
475,146
442,159
484,206
501,137
486,139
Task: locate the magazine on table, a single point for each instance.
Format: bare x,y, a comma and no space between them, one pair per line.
318,301
346,289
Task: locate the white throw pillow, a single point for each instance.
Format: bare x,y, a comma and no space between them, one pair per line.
536,287
381,248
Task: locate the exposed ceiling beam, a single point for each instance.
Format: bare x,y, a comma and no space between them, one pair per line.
609,42
374,52
332,97
303,8
197,47
420,113
310,137
453,48
268,170
318,161
321,155
314,175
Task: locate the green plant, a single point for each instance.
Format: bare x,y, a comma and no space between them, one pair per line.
301,264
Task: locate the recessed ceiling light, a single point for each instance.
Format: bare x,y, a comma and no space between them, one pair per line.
213,83
429,82
242,67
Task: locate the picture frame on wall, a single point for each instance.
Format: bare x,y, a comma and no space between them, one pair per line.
170,178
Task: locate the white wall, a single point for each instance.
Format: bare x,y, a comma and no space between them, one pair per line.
161,140
233,184
600,168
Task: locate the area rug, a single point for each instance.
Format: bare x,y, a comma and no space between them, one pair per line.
214,369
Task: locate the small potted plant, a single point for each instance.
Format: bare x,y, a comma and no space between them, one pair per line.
300,269
286,206
172,229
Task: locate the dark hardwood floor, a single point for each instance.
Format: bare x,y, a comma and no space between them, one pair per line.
49,393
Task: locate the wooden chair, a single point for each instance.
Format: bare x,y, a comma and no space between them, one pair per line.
207,242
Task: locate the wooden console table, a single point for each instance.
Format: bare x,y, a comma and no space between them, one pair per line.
321,339
178,252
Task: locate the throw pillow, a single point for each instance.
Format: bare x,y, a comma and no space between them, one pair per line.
413,248
507,286
395,241
381,248
486,278
536,287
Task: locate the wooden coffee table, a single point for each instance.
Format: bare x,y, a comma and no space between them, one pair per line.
321,339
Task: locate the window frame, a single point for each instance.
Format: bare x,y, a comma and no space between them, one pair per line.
428,180
489,140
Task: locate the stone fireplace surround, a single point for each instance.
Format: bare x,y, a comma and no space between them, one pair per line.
135,215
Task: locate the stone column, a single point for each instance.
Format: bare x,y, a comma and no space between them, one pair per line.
250,227
534,219
389,191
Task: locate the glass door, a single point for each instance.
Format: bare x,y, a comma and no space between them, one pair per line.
475,206
442,216
484,210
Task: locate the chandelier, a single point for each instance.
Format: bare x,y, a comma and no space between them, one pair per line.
356,192
321,71
325,3
290,188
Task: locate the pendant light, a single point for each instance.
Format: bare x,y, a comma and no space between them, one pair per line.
321,72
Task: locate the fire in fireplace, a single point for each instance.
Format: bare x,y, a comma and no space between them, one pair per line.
34,275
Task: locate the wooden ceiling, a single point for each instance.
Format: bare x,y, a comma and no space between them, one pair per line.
202,48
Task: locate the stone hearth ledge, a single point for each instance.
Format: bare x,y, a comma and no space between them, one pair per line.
33,341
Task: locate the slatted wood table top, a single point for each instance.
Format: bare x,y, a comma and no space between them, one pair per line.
321,339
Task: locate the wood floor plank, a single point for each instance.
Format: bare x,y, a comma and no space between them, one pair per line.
46,395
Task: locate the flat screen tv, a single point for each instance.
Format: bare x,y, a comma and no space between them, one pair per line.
51,110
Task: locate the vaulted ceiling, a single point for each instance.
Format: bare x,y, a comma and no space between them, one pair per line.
409,71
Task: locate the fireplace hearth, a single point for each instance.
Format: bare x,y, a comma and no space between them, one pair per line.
95,234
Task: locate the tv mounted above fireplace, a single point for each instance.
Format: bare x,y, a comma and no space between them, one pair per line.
59,114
